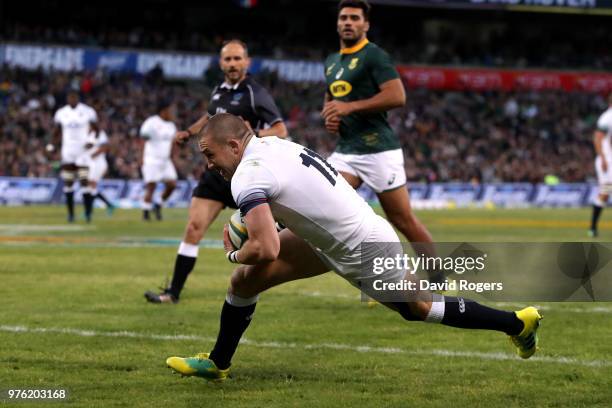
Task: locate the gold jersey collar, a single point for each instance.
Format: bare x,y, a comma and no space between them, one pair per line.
355,48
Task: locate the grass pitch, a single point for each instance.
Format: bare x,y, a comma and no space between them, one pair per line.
73,316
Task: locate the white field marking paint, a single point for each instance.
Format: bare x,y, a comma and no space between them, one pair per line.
19,228
110,243
317,346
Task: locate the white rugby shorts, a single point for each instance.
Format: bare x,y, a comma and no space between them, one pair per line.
158,171
97,169
382,241
74,155
380,171
604,178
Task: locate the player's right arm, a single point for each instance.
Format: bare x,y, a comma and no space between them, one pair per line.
332,123
56,133
252,186
263,244
598,139
183,135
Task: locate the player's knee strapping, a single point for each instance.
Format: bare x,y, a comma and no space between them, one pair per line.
435,314
67,175
238,301
83,174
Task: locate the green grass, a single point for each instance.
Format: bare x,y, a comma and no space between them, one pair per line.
302,347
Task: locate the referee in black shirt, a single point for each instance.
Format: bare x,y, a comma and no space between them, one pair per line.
239,95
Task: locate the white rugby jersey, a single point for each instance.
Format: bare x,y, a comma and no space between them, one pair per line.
95,143
604,123
304,192
75,124
160,135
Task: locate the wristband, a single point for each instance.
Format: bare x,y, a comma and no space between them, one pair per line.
232,256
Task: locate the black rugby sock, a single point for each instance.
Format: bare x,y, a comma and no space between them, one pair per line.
595,216
88,203
234,321
467,314
104,199
182,268
70,203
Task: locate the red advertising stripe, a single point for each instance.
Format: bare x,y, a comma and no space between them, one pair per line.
479,79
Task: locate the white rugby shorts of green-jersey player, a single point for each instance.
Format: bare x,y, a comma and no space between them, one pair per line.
307,195
381,171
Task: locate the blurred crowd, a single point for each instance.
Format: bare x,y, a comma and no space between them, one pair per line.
586,48
446,136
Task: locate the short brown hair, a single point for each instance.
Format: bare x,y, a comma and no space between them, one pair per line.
225,126
361,4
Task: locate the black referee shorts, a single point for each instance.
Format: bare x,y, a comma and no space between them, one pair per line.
214,187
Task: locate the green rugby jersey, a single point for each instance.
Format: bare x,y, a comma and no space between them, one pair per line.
353,74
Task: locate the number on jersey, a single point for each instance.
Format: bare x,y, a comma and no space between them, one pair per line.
313,159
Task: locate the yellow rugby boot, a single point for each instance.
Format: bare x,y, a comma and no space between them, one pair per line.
197,366
526,341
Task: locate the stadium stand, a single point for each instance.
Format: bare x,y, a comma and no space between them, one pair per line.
480,136
448,136
448,45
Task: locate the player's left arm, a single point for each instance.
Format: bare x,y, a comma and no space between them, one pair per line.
101,149
598,140
56,133
104,147
391,95
263,244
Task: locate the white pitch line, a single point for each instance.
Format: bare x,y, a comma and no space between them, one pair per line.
315,346
17,228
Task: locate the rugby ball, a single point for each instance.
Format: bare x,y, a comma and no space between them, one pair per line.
237,230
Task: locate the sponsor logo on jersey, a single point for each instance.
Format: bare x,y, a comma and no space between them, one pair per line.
353,63
340,88
220,110
329,69
339,73
391,179
216,97
371,139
